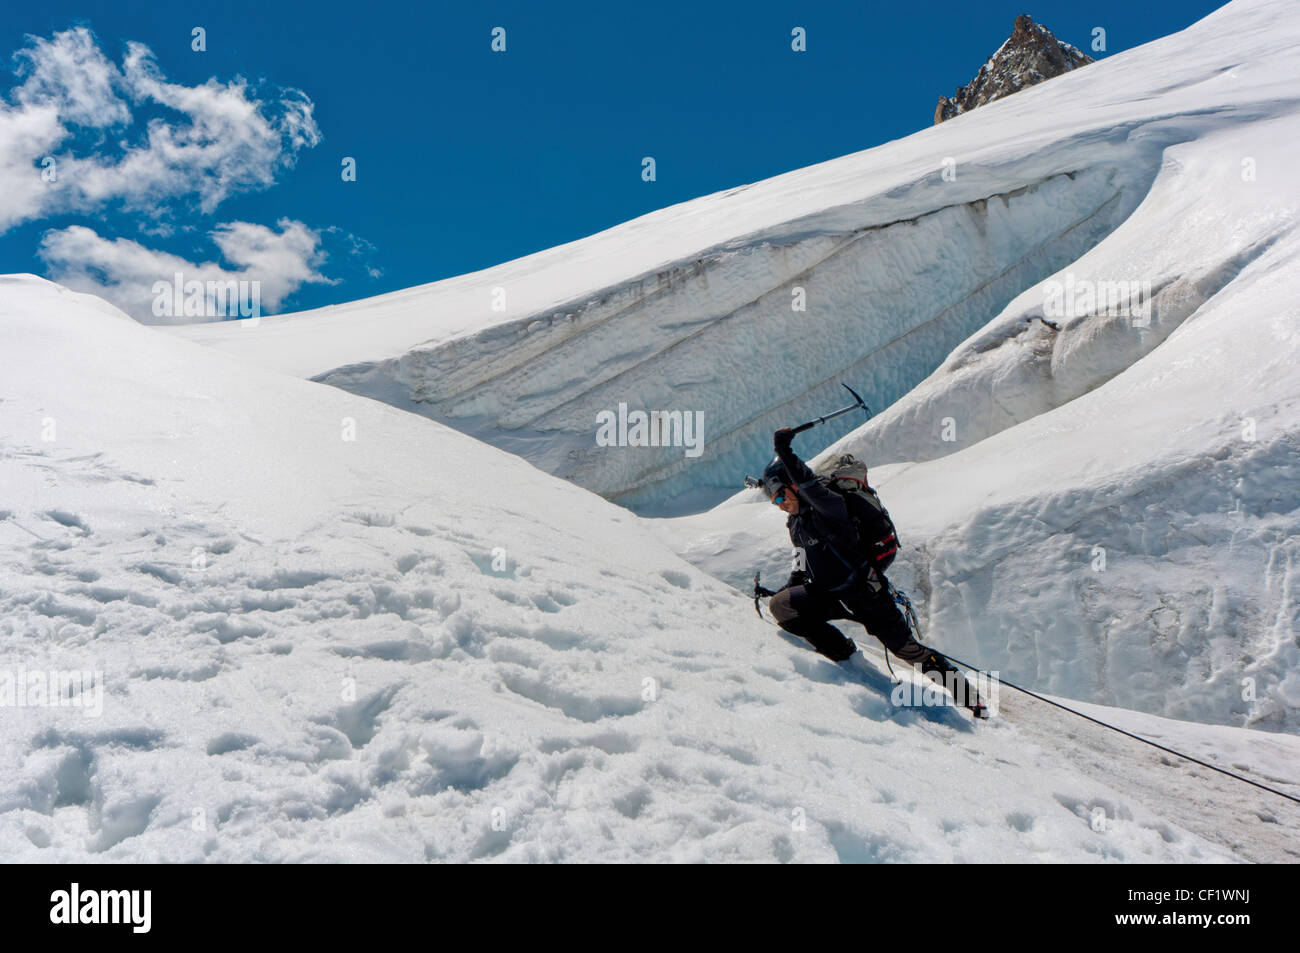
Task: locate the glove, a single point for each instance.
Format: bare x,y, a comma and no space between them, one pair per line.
782,438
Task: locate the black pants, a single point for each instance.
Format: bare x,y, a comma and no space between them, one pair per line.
805,611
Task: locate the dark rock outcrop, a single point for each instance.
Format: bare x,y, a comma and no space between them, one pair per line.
1030,55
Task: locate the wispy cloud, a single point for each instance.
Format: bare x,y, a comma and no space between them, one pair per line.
154,144
126,272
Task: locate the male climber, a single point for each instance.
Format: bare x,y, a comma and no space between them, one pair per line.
838,578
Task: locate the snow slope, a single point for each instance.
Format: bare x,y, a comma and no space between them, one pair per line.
308,652
1087,499
1170,452
1107,506
690,307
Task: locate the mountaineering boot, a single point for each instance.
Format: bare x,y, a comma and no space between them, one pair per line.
934,663
944,672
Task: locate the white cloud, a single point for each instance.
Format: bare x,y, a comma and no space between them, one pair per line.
70,75
218,138
26,135
126,272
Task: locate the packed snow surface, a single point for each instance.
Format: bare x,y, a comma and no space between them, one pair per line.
1074,310
412,646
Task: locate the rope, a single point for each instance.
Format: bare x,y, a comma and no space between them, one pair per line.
1145,741
891,668
1095,721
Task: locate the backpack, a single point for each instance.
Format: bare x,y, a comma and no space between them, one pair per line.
847,476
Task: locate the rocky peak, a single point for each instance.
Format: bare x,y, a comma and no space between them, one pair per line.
1030,55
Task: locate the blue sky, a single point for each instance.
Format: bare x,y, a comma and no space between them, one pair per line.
465,157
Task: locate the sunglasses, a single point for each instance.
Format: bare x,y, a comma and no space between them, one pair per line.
780,497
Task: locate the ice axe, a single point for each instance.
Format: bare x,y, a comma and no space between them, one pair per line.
760,592
858,402
753,483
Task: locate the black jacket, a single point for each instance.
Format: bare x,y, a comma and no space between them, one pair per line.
824,532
